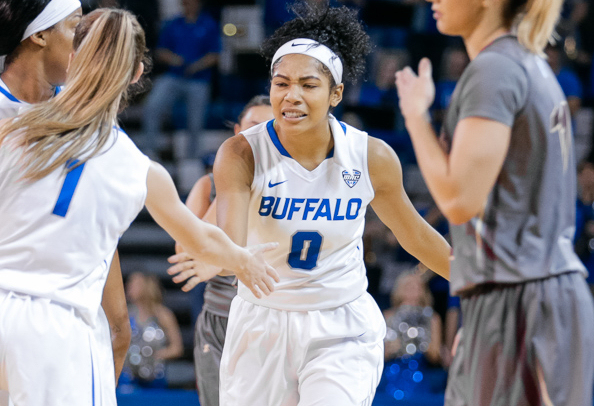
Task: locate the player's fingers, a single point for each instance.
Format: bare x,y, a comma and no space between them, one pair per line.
264,287
180,267
255,291
181,257
425,69
182,276
269,285
191,284
272,273
408,72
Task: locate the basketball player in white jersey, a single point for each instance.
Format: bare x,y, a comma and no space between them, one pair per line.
35,43
71,182
305,179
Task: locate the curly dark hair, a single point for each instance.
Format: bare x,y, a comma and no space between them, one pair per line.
338,28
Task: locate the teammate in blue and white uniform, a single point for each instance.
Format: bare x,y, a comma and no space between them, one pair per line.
305,180
71,183
36,41
507,183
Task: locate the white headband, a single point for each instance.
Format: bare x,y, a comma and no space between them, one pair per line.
53,13
314,49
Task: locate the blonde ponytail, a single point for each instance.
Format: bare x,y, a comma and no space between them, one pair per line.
536,25
77,123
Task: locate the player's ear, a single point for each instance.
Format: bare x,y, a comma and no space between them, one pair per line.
70,58
39,38
139,73
336,95
236,128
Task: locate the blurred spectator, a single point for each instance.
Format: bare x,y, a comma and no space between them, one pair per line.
189,45
568,79
156,335
584,230
413,343
276,12
169,9
454,62
381,92
413,327
572,14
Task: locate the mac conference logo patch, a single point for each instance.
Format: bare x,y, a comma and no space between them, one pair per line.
351,180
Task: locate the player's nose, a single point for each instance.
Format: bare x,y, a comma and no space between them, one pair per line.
293,93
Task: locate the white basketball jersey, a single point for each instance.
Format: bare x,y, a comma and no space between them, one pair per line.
316,216
9,105
56,233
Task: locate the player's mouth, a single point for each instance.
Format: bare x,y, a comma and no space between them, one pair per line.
293,115
436,15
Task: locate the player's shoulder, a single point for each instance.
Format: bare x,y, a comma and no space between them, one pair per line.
346,129
380,152
258,130
504,57
237,146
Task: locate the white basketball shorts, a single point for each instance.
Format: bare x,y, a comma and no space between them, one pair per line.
49,356
330,357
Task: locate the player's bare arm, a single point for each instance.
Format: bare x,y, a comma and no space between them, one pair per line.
396,211
461,181
202,240
116,310
198,202
234,171
175,347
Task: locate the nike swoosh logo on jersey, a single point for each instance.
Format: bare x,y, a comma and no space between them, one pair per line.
270,184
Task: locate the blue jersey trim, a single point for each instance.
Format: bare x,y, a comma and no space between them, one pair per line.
8,95
68,188
279,146
92,379
343,125
275,140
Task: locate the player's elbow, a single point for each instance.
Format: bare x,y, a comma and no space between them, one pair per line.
121,335
459,210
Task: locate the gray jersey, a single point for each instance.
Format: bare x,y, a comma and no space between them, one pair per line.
219,290
527,226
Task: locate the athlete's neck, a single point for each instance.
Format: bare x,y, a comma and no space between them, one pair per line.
481,38
309,148
27,81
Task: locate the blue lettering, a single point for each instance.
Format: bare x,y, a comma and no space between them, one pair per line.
352,202
275,211
323,210
308,208
266,205
337,217
294,207
270,205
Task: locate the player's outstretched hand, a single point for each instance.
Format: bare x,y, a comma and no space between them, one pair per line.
415,93
190,270
257,275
